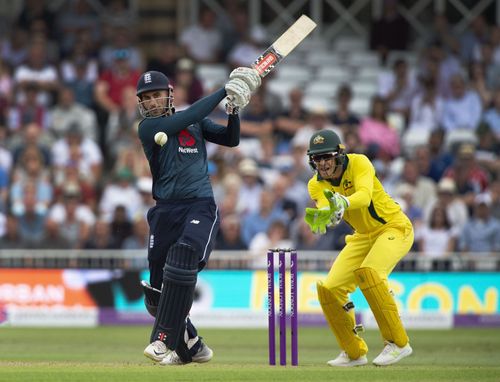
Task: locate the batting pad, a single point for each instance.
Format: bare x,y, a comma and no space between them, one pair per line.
382,305
341,323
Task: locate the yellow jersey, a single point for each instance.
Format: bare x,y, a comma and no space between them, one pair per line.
370,206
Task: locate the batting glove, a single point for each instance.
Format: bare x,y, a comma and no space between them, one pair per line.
249,75
238,92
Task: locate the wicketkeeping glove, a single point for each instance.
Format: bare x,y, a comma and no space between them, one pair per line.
238,92
249,75
338,205
318,220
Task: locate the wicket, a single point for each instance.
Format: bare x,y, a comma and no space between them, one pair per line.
282,305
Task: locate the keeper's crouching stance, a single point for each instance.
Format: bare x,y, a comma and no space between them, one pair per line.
345,187
184,222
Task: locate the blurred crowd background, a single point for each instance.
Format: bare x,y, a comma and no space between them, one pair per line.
425,110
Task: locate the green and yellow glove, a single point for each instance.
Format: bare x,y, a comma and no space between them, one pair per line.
338,205
318,220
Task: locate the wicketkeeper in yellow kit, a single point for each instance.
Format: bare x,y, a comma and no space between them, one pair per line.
345,186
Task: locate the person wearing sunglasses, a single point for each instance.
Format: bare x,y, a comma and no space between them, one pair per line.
345,186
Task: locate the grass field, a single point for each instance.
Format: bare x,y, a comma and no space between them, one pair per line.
115,354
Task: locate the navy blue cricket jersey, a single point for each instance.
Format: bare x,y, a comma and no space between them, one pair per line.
179,167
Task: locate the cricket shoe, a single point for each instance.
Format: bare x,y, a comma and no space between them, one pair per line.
204,354
343,360
157,351
392,353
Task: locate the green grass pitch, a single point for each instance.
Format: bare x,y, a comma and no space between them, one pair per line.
115,354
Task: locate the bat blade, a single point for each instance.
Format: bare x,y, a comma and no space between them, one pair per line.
287,42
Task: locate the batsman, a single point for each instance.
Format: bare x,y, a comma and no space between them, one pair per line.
345,186
184,222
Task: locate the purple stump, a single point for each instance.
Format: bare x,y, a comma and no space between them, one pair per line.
282,311
270,308
293,308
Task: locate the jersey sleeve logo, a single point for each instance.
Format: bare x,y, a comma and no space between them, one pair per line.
186,139
347,184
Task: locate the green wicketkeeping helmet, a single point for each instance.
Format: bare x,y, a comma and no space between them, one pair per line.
324,141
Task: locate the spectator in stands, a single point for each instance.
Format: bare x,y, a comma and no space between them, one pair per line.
290,121
68,112
304,239
343,117
441,65
398,87
390,32
283,200
405,196
140,235
14,49
70,174
31,176
495,199
100,237
53,239
469,176
260,221
380,139
6,86
437,239
76,150
121,225
121,41
481,233
488,147
131,157
447,198
477,77
276,236
229,236
426,108
31,218
80,64
440,158
301,167
32,137
251,188
121,191
12,236
250,42
185,76
165,58
443,34
74,217
203,41
472,37
424,188
28,110
462,110
492,115
37,70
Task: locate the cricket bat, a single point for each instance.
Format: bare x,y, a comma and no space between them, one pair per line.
287,42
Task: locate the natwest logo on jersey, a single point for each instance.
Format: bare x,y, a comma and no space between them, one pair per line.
186,140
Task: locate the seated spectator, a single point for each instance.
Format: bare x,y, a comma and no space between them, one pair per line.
276,236
492,115
28,110
290,121
250,189
185,76
53,239
14,48
462,110
250,43
405,196
203,41
121,226
343,117
140,236
398,87
478,83
121,191
441,65
145,186
283,200
31,220
31,139
165,58
424,188
70,175
436,240
74,218
440,158
426,107
68,112
100,237
75,149
229,236
260,221
121,41
80,84
481,233
11,239
380,139
495,199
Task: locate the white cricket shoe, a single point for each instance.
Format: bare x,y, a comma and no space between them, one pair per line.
392,353
156,351
203,355
343,360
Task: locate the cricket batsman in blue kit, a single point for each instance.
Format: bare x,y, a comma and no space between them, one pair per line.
185,220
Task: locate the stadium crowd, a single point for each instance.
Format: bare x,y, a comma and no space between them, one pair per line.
73,175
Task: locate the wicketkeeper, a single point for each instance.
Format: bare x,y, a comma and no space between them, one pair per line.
345,186
185,220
